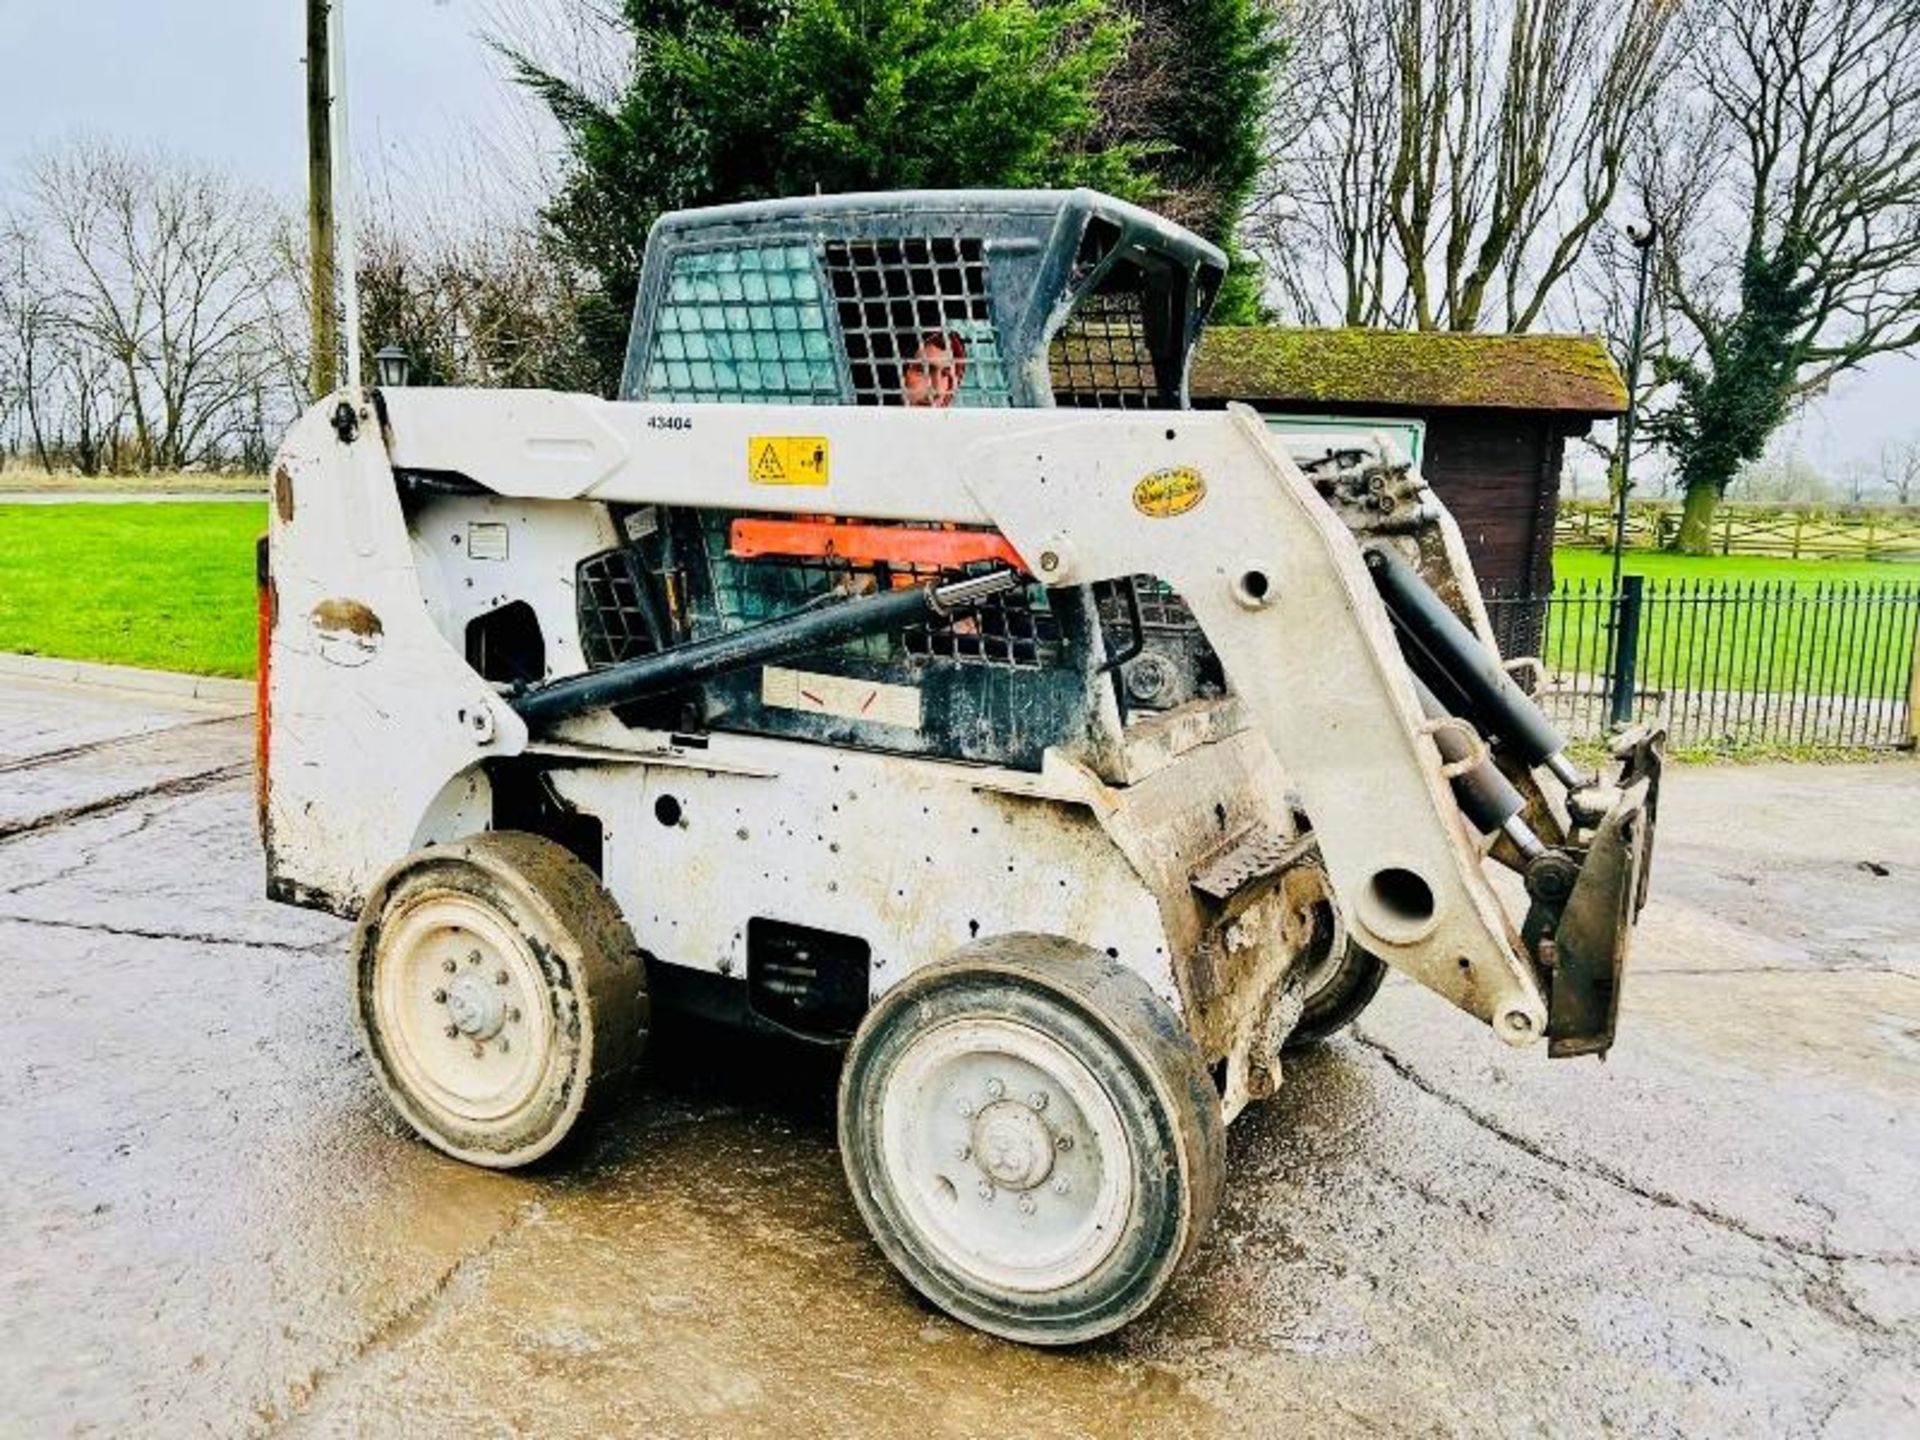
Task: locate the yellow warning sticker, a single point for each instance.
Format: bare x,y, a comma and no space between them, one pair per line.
787,459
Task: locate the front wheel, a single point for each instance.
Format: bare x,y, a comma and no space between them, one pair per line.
1032,1137
499,993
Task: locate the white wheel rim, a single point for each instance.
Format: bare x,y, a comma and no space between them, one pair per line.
1006,1154
449,963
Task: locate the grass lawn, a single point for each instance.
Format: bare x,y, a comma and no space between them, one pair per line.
168,586
1591,565
1765,626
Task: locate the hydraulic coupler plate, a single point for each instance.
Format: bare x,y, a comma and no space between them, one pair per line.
1590,943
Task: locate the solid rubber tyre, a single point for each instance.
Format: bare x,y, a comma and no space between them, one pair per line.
1336,997
499,995
1032,1137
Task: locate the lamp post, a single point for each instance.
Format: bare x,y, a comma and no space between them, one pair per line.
1642,238
1624,608
393,366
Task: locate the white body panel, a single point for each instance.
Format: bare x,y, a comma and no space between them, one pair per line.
373,757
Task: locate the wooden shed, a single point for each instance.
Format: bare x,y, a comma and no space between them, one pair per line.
1489,416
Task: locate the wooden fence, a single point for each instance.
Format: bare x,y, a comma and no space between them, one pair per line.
1813,532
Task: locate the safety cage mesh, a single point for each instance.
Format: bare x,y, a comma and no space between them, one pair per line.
1160,606
745,324
897,299
1015,629
1100,359
615,608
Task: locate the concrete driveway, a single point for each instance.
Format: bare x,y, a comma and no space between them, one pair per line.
210,1223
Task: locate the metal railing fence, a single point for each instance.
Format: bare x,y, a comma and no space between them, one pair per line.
1729,664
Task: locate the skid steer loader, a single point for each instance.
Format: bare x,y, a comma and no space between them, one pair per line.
1063,753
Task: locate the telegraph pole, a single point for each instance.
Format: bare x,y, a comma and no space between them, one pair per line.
324,367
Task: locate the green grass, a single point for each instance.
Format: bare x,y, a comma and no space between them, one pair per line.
166,586
1591,565
1766,629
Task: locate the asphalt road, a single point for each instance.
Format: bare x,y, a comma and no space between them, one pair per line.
209,1223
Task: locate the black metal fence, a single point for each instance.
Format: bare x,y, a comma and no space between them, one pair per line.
1729,664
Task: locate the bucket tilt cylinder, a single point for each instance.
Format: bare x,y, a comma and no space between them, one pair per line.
1464,675
815,628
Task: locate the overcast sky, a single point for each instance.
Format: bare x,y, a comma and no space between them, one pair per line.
222,80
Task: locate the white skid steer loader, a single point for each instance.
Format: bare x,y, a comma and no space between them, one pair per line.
1063,753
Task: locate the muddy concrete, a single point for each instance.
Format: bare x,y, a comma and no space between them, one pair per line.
210,1223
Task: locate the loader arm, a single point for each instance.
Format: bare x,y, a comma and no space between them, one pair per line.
1204,501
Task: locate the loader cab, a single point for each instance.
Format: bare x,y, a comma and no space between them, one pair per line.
1049,297
964,299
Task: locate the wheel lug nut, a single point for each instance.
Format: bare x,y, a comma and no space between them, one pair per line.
986,1190
513,1014
1063,1142
499,977
473,957
964,1107
504,1047
996,1089
1026,1204
448,966
453,1032
1060,1185
478,1050
439,997
962,1152
1037,1100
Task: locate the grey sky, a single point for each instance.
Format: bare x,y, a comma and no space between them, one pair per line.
222,80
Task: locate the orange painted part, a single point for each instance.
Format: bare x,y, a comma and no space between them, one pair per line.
263,681
870,544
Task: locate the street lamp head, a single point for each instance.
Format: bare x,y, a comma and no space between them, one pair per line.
394,367
1642,235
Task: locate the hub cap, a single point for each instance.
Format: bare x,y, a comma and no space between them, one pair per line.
462,1009
1006,1154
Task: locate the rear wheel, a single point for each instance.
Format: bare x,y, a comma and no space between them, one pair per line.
499,994
1338,988
1032,1137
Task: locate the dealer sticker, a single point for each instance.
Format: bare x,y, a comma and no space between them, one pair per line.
787,459
1170,492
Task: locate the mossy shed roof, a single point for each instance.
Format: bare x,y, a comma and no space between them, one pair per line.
1399,369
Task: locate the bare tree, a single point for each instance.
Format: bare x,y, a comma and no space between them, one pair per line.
1445,163
63,387
165,271
1788,478
454,268
1787,184
1899,469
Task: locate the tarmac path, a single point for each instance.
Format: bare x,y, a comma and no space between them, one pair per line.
210,1223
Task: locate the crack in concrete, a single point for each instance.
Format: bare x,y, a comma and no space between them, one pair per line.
1596,1170
404,1321
94,747
133,932
1798,970
88,854
164,790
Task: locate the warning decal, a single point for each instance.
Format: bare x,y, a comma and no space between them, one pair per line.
787,459
839,695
